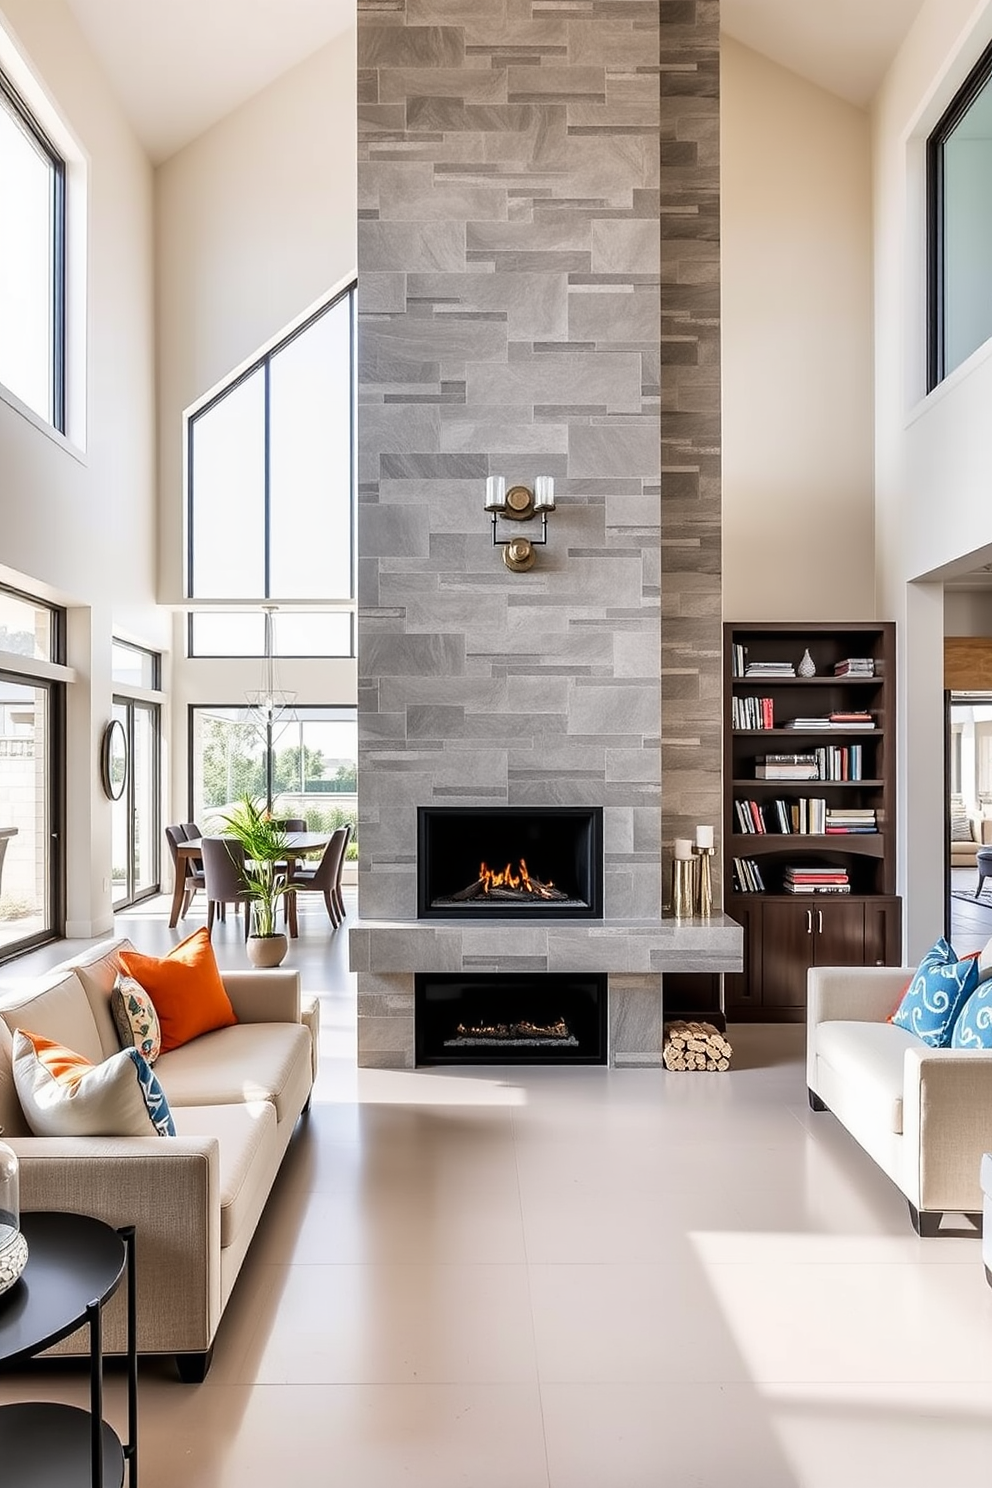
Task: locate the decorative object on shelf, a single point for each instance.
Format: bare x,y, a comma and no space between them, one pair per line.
265,845
113,760
704,849
807,667
520,504
13,1246
683,879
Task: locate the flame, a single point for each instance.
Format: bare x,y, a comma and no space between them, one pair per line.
508,879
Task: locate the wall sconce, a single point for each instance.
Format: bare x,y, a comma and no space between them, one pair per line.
520,504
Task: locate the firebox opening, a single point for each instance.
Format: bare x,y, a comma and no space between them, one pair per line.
519,1018
510,861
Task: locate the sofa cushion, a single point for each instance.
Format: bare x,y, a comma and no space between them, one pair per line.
12,1122
249,1062
870,1058
64,1095
960,824
249,1155
973,1025
97,970
56,1007
936,994
985,962
185,987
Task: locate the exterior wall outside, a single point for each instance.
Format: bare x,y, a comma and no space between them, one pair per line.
932,452
79,524
798,524
255,224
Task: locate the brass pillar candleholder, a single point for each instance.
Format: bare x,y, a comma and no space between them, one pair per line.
683,887
704,881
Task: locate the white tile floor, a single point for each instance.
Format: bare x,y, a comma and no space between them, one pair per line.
573,1279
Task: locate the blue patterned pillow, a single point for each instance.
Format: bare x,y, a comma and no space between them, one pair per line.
931,1003
973,1028
156,1099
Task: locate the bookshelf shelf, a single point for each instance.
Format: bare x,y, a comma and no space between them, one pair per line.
856,918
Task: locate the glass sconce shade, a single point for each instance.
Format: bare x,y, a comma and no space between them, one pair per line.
13,1247
495,492
544,493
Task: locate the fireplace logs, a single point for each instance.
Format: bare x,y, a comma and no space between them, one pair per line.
508,884
695,1046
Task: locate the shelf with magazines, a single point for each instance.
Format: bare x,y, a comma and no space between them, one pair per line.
809,806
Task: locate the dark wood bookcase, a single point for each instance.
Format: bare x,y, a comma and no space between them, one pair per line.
786,933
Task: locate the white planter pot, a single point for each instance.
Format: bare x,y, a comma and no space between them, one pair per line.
267,950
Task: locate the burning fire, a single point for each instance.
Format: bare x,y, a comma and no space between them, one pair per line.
521,880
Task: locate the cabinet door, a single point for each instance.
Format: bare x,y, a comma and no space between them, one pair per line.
742,989
787,952
839,934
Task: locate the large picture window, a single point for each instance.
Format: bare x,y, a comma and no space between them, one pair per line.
959,186
32,261
270,472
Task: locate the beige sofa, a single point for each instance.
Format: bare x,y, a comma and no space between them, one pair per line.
923,1114
963,854
195,1198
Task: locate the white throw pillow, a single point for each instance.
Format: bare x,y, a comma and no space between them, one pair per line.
64,1095
985,963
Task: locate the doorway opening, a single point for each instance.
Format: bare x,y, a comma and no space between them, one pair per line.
968,776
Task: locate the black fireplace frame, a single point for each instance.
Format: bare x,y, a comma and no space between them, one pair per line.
592,1021
587,821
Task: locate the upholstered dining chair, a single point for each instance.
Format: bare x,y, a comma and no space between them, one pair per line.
194,874
324,876
290,823
193,833
224,871
336,891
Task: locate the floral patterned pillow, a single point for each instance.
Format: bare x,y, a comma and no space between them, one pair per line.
136,1019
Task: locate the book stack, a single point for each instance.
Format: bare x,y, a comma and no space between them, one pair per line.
747,877
855,666
786,767
816,878
738,659
856,720
839,762
806,816
808,724
769,669
752,713
851,819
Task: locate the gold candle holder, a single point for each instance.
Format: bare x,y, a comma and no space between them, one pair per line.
704,881
683,887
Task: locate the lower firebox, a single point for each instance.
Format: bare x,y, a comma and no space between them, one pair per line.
522,1018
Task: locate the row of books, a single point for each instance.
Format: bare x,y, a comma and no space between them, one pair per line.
807,816
816,878
752,713
855,666
808,878
747,877
834,762
846,721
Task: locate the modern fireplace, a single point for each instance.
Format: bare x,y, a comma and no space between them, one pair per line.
510,861
514,1018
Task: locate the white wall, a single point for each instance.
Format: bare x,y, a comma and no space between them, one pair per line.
79,524
967,613
255,223
797,347
933,453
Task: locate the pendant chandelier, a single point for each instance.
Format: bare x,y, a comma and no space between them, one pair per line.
270,705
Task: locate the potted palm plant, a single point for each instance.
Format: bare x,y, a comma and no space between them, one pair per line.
265,845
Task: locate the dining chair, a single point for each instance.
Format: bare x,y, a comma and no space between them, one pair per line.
193,833
323,877
194,874
224,871
349,828
290,823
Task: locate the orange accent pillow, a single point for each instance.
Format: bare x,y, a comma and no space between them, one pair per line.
185,987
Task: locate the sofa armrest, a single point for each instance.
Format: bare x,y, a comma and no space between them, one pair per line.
984,832
169,1189
856,994
947,1126
270,996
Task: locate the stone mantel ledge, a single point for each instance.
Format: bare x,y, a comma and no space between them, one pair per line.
619,946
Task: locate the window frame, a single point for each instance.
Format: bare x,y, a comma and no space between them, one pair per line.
195,655
14,105
977,79
146,652
264,363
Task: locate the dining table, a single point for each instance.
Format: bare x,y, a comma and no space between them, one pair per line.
298,845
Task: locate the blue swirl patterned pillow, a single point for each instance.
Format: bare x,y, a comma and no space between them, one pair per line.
935,996
973,1029
159,1111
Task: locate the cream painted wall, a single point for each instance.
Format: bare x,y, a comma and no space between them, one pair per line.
967,613
797,347
255,223
932,453
79,526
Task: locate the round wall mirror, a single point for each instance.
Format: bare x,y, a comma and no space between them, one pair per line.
113,759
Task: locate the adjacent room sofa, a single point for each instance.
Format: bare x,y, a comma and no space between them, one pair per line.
195,1198
923,1114
964,850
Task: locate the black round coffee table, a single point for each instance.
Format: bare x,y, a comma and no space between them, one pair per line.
75,1265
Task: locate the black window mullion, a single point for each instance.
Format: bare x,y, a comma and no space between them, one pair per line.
58,296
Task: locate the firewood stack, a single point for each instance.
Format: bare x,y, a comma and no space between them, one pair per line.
695,1046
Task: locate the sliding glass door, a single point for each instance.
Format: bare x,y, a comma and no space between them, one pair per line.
136,814
31,870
